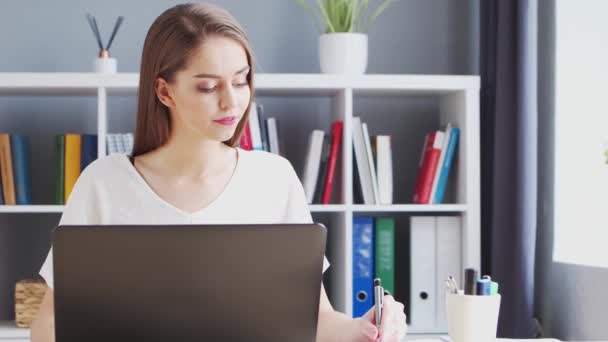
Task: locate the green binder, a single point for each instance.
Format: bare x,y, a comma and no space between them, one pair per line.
385,252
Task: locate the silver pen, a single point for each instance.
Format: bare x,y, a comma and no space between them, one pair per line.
378,301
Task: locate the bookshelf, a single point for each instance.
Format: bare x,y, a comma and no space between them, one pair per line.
457,102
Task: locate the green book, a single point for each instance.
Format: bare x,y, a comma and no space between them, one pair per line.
385,252
59,168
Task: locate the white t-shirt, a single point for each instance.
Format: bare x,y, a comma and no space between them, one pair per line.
263,188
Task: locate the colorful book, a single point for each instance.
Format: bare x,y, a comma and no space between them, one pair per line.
88,150
427,169
59,169
20,149
73,146
442,155
245,140
6,170
336,138
447,164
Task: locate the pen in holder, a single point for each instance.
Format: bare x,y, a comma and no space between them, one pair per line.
104,63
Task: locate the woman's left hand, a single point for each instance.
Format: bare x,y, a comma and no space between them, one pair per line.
392,326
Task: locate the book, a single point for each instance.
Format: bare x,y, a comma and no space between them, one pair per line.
263,128
245,140
273,135
88,150
6,170
384,161
321,178
428,166
336,138
312,164
362,164
22,168
254,126
437,173
73,145
447,164
59,169
370,161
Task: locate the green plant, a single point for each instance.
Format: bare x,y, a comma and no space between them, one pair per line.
343,15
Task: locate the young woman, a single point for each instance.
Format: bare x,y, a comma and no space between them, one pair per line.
195,93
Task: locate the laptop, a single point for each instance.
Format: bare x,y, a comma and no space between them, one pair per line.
188,282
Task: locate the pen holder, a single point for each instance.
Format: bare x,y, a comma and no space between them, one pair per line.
105,64
472,318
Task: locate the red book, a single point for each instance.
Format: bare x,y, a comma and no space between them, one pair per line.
336,133
418,183
245,141
429,167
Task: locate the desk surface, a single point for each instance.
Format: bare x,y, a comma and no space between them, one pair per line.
497,340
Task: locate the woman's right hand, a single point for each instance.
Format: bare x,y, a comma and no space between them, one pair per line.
43,326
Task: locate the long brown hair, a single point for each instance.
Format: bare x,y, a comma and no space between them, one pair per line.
171,40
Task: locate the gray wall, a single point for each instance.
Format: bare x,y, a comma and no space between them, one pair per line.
414,36
571,300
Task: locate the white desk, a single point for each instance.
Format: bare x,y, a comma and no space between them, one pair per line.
498,340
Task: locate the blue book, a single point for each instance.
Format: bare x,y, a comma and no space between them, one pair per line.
22,170
363,265
447,162
88,152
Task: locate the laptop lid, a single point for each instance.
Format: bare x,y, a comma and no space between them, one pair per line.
188,282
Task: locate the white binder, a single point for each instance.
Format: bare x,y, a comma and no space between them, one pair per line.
423,275
449,262
436,253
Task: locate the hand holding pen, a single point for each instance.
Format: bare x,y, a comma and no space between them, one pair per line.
390,325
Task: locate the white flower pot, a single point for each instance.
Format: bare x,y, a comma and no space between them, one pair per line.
343,53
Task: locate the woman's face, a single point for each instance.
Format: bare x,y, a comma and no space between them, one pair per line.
209,97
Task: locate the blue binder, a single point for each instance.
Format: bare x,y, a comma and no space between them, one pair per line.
363,265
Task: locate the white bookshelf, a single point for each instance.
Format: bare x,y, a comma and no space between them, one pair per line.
458,98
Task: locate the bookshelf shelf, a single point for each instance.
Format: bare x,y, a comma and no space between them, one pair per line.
10,333
30,209
410,208
457,102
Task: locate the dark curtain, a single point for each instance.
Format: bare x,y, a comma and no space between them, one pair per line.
509,115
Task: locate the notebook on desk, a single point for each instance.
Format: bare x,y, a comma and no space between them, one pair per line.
188,282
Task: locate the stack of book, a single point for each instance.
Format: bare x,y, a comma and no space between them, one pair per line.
374,165
434,166
15,170
260,133
320,165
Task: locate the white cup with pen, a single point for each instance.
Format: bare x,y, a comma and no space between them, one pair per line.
472,313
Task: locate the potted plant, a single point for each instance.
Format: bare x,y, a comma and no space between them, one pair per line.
343,34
